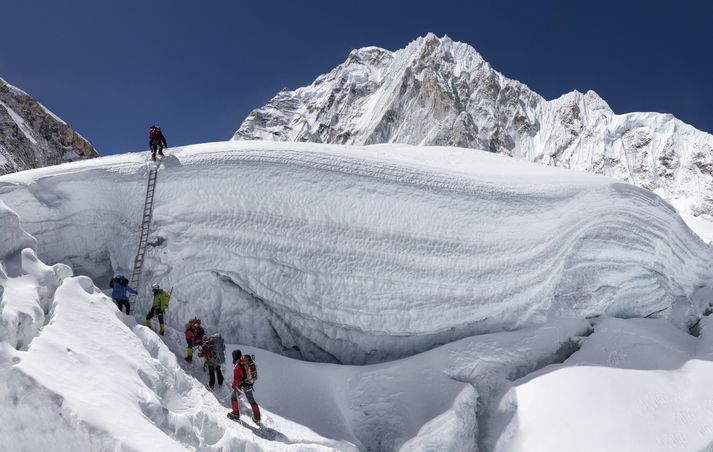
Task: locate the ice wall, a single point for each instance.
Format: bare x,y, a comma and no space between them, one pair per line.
357,255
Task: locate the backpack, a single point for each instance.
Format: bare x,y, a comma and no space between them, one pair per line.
248,363
121,280
218,348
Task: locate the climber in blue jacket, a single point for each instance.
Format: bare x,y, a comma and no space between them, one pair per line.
120,292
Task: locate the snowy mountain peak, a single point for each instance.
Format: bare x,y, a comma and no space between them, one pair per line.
31,136
437,91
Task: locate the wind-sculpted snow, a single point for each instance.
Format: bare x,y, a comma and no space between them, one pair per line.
440,92
359,255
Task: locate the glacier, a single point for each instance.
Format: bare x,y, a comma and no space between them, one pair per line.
80,376
360,255
397,298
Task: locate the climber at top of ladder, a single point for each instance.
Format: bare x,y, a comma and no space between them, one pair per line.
157,142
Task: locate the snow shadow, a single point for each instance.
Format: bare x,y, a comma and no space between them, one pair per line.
645,369
170,161
267,433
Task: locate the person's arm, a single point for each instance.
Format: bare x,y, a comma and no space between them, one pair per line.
237,376
131,290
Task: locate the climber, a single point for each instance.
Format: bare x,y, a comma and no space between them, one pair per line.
120,292
194,337
213,353
244,376
160,304
157,142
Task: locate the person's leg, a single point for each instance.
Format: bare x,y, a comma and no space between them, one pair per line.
234,403
149,316
189,351
161,326
123,304
253,405
220,375
211,377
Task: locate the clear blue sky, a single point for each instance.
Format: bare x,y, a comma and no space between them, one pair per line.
198,67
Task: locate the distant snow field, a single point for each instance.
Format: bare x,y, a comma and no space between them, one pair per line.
395,297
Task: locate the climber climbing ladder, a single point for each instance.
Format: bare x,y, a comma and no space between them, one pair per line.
145,227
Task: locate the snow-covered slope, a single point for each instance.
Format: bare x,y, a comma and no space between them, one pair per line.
78,376
440,92
359,255
354,254
640,384
31,136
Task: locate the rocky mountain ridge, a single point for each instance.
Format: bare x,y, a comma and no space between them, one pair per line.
440,92
31,136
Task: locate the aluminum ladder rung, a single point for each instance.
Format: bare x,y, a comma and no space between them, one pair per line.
145,228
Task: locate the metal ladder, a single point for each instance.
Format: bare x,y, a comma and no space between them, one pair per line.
145,227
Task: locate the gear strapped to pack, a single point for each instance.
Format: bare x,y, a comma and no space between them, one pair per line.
248,364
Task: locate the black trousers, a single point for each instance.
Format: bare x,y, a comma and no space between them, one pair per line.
248,390
156,145
212,371
153,312
125,303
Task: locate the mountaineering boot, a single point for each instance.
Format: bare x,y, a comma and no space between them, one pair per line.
161,329
161,153
256,413
233,415
148,323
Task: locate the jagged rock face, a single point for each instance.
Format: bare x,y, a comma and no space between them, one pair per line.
32,137
440,92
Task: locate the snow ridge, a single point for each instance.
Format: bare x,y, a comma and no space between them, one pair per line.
440,92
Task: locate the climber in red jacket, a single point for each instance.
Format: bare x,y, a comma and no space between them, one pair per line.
244,376
157,142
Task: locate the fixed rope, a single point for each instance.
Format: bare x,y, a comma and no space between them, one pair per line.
145,227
